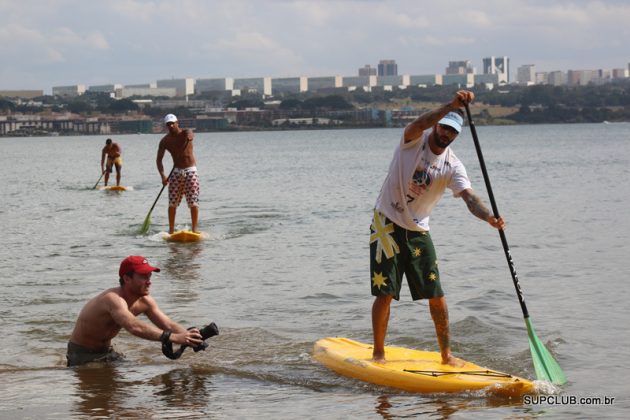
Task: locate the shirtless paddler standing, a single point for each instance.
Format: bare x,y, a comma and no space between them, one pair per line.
113,152
184,178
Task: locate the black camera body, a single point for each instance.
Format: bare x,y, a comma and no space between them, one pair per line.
206,332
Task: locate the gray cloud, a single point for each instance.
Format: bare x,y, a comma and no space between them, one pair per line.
132,41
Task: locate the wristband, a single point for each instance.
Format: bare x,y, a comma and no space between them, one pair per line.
164,338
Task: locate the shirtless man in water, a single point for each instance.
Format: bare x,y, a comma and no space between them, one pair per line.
102,318
114,158
184,179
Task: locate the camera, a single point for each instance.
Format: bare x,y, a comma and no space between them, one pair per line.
206,332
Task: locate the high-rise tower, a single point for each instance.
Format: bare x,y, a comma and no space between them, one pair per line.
499,66
387,68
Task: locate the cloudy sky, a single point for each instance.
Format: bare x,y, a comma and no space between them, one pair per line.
64,42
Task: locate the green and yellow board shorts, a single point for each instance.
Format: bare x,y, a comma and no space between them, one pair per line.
395,251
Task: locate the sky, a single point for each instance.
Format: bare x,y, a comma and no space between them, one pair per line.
67,42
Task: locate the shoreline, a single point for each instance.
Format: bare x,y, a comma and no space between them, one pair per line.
247,129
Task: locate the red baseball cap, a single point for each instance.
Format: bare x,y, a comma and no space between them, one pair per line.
136,264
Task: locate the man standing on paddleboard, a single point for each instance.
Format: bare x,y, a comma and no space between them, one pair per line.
102,318
183,178
114,158
422,168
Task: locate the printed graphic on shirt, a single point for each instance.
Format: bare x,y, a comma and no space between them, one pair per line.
419,183
396,206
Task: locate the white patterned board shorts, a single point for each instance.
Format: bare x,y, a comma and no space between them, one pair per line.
183,181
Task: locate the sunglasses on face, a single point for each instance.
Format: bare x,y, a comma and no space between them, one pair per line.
448,128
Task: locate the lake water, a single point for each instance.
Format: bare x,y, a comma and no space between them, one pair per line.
286,263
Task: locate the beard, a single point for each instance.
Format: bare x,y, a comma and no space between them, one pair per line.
441,141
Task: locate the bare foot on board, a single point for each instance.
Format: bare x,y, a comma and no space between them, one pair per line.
453,361
378,358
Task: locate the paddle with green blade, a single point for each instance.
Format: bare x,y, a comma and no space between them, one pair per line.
147,220
545,365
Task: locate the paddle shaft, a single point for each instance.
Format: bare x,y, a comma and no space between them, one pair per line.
495,211
160,193
99,180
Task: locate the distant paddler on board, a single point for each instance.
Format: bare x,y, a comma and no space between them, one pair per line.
113,152
183,179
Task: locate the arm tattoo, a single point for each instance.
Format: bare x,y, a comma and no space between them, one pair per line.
440,319
475,206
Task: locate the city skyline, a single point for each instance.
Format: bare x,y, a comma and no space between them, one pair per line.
67,42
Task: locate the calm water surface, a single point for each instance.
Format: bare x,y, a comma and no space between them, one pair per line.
286,263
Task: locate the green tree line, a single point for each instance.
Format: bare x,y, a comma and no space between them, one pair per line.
534,104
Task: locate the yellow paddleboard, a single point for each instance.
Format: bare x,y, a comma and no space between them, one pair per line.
184,236
414,370
114,188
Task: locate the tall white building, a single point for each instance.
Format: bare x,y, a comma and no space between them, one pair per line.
557,78
526,74
499,66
